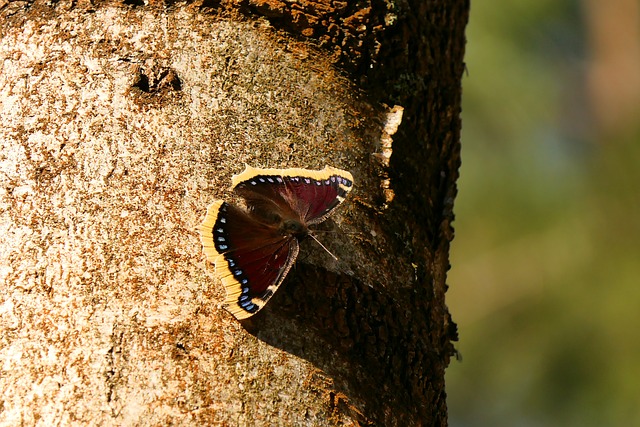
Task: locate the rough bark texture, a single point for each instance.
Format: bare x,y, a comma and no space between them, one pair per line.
121,122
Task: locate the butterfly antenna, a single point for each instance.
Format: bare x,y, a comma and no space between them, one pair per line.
323,247
353,233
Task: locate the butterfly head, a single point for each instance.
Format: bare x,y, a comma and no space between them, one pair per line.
293,227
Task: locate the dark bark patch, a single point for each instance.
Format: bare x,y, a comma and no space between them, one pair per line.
386,354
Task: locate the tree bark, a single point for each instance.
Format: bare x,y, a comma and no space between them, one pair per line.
120,123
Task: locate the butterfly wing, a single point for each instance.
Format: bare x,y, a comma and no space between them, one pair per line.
251,256
251,250
309,195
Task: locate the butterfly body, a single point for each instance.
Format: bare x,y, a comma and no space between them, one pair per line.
254,249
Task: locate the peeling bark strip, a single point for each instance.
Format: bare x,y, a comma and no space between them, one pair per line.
121,122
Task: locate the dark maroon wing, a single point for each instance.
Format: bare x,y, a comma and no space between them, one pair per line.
307,195
251,257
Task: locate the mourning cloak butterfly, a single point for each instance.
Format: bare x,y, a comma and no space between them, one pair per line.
254,249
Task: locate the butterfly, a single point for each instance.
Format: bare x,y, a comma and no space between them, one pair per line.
253,249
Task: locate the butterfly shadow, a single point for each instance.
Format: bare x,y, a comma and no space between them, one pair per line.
352,333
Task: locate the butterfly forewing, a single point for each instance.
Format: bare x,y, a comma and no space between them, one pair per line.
311,195
251,257
317,198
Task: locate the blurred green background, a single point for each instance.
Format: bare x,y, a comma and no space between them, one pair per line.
545,283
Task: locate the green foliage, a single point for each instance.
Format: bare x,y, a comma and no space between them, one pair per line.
546,260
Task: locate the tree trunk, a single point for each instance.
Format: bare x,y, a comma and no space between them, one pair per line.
121,123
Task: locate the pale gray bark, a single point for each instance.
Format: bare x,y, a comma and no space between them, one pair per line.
117,128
